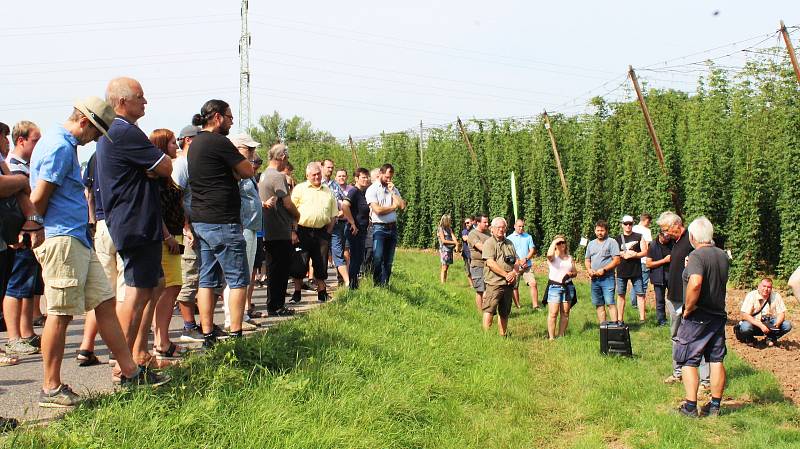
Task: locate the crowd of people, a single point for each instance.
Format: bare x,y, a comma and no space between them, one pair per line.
688,272
165,220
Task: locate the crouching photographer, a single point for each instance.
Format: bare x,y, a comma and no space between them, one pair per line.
763,313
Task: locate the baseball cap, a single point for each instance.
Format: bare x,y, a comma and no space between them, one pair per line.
100,113
626,219
189,131
243,140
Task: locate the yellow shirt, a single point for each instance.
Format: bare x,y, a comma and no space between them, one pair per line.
316,205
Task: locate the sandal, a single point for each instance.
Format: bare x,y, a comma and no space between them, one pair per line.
87,358
8,360
174,352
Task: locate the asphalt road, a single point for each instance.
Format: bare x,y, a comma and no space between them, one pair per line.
20,384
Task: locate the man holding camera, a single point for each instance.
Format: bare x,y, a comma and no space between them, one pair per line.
763,313
500,275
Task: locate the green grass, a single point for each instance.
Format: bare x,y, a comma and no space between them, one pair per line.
410,367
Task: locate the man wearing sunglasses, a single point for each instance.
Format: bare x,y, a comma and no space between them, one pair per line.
632,247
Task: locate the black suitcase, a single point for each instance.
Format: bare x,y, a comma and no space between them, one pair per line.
615,339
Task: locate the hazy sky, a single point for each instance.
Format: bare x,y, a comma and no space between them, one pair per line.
362,67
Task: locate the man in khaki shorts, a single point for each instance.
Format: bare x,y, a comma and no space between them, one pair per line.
74,280
500,274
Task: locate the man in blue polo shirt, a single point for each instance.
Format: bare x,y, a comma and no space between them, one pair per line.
523,244
74,280
127,167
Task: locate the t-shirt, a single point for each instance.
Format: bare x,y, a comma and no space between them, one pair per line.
17,165
647,235
465,246
378,193
680,250
131,200
656,251
277,220
602,253
498,251
89,182
180,175
712,263
523,243
215,191
55,160
629,268
474,237
358,207
559,268
753,302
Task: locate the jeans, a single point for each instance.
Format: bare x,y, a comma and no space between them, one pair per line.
645,281
748,331
337,243
384,242
357,250
223,253
676,317
278,253
661,292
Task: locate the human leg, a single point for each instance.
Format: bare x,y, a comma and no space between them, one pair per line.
564,321
356,255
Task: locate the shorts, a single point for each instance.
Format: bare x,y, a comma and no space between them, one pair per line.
622,286
109,259
700,335
528,277
497,300
559,293
74,280
26,275
466,266
603,291
142,265
223,255
190,267
445,256
171,265
316,241
476,273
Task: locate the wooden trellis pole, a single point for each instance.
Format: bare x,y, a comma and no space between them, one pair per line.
549,129
353,150
790,49
656,144
472,152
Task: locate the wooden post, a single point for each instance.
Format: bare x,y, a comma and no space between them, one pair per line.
472,152
421,160
790,49
652,130
353,150
555,154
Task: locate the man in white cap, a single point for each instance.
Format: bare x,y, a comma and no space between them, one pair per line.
252,217
632,247
74,279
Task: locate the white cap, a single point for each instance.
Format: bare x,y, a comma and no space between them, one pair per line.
626,219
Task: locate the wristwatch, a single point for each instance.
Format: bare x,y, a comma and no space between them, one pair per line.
35,218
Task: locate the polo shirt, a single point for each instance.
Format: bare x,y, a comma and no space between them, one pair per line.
215,191
522,244
317,205
56,161
131,201
378,193
358,207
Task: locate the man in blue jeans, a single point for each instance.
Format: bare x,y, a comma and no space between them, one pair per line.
215,167
602,256
384,199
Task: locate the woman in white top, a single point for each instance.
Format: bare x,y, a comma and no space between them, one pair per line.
560,289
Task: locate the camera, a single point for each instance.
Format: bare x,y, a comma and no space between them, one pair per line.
510,260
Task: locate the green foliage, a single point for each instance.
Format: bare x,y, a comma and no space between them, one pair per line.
730,153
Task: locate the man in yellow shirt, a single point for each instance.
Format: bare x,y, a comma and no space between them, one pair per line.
318,212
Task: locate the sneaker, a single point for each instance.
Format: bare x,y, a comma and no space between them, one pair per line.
144,377
191,335
34,340
8,424
283,311
19,346
210,341
685,411
63,397
770,342
219,333
710,410
322,296
296,297
673,379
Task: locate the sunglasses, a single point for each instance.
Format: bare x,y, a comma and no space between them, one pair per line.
627,224
561,243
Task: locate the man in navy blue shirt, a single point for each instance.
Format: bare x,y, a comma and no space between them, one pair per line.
127,167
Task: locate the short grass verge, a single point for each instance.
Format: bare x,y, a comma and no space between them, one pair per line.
409,367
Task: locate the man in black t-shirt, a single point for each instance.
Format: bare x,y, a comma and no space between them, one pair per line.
632,247
356,212
215,166
658,258
702,331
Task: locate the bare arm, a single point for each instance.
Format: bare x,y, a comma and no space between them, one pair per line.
164,167
382,210
244,169
643,246
40,197
692,294
657,263
348,215
11,184
291,208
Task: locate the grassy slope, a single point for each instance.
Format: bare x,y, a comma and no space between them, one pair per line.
409,367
